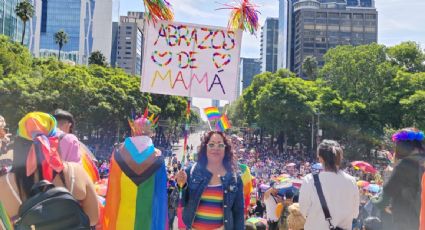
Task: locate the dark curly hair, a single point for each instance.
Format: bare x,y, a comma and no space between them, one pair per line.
229,160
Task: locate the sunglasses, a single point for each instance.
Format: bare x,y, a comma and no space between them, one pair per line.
220,146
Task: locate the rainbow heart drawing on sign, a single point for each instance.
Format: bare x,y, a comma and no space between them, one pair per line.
159,59
221,60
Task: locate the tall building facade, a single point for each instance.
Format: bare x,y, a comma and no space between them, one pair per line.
315,26
10,24
130,43
88,24
249,68
269,45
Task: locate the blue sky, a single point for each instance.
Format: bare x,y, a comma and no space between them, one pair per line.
399,20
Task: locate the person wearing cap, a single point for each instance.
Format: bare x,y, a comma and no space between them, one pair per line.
4,136
68,143
271,200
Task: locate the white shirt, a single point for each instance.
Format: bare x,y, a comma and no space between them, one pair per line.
271,206
341,195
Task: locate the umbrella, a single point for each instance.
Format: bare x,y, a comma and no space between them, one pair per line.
317,166
362,183
364,166
257,221
291,165
374,188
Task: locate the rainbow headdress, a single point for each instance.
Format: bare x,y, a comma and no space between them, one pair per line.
144,124
212,113
137,188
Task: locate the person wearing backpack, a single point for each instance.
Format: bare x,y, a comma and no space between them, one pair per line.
41,191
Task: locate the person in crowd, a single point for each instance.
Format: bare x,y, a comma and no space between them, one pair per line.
401,195
271,200
4,136
296,220
372,223
137,184
173,200
30,165
212,189
68,142
259,209
339,189
259,225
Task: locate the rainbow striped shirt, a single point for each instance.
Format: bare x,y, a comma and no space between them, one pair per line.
209,214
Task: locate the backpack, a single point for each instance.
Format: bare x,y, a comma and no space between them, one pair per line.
173,199
51,208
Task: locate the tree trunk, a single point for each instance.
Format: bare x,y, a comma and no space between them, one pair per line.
285,146
23,32
272,140
280,142
59,55
261,136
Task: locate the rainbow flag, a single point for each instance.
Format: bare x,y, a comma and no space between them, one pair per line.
247,185
87,160
212,113
137,188
223,124
4,219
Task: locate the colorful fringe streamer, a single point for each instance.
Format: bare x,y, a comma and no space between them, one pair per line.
212,113
157,10
244,16
137,189
247,185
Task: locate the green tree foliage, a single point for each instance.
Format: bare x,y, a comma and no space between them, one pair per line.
408,55
97,58
100,98
61,38
24,10
310,67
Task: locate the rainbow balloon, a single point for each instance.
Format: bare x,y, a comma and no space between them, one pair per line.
137,189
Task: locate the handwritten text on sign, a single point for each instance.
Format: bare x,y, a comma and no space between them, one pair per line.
191,60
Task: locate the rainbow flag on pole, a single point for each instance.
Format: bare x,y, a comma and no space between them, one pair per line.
212,113
223,124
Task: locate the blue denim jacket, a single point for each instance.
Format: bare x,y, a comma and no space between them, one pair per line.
233,203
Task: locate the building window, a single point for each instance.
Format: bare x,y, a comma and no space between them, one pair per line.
127,32
309,27
345,28
333,28
358,16
333,15
321,27
346,16
128,43
128,53
321,15
129,27
369,29
370,16
357,28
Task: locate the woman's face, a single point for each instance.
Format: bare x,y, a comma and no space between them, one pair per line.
215,149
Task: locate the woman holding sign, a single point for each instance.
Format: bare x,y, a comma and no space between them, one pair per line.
212,191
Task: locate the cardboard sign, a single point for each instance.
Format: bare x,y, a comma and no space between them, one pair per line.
191,60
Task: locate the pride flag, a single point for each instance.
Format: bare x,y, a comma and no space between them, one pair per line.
212,113
87,160
137,188
247,185
223,124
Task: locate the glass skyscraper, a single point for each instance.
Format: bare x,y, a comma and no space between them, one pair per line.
10,24
75,17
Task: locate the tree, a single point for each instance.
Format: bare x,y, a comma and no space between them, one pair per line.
24,10
408,55
97,58
61,38
310,67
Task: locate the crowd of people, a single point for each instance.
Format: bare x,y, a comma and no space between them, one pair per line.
292,190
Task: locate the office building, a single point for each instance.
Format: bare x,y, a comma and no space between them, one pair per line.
130,43
10,24
316,26
102,28
269,45
249,68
